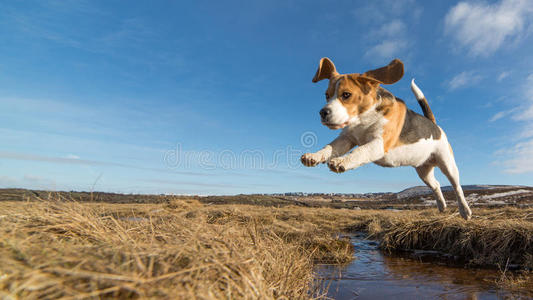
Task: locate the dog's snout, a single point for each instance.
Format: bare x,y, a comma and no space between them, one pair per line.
325,112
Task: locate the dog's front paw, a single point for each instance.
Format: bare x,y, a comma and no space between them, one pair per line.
311,159
337,165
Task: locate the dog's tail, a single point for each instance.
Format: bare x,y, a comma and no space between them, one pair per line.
422,101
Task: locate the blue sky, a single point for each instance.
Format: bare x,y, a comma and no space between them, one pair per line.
215,97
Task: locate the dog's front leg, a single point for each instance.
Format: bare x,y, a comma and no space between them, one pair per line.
361,155
340,146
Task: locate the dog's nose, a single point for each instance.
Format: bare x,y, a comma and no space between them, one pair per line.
324,112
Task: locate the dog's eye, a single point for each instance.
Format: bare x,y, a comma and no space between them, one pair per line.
346,95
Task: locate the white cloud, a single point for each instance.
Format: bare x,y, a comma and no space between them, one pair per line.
389,41
519,158
483,28
28,181
526,131
501,114
387,49
498,116
389,21
8,182
503,75
86,162
72,156
525,113
376,12
39,181
463,79
391,29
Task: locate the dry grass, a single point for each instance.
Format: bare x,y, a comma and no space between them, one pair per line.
186,249
182,250
493,238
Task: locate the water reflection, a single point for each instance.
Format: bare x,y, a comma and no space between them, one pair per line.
373,275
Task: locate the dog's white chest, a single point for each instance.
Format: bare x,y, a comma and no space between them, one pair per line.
414,154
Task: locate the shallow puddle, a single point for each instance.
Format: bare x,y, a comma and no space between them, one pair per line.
373,275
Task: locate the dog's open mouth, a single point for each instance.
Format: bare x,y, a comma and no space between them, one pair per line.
336,126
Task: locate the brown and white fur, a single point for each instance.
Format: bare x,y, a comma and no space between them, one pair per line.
384,130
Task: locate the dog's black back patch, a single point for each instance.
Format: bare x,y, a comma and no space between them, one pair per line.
416,127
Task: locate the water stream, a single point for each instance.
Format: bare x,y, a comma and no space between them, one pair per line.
374,275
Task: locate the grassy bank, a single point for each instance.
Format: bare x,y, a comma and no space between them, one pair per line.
184,248
179,250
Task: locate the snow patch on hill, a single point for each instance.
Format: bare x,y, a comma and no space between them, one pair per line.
424,190
505,194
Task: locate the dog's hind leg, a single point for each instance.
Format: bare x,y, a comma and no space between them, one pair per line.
427,174
446,163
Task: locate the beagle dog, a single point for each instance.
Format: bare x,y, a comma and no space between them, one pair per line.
384,130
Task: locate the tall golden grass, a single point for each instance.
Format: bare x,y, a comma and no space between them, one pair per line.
499,237
186,249
183,250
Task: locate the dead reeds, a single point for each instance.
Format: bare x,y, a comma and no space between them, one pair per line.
70,250
186,249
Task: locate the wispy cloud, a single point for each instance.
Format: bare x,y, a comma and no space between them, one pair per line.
119,40
390,29
526,131
8,182
28,181
221,185
39,180
503,75
114,119
526,113
375,12
387,49
463,79
483,28
519,157
389,39
77,161
502,114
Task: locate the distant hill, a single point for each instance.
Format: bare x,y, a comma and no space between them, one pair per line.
425,190
411,198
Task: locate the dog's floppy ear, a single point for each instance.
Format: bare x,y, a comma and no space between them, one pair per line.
366,83
326,70
389,74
